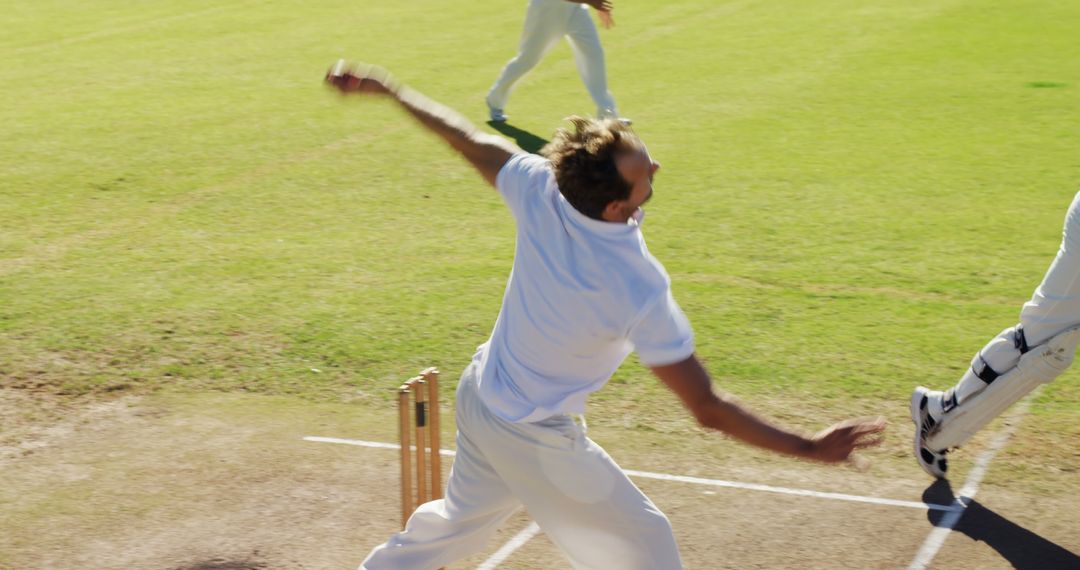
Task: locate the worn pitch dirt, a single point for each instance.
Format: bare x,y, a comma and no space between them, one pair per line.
226,482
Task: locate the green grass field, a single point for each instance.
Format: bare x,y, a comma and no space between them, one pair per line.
855,195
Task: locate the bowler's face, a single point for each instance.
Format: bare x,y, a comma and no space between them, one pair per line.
638,168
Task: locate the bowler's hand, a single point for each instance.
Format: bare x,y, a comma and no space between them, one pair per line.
836,443
353,78
601,5
605,19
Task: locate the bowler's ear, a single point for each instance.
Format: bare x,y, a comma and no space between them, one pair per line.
614,211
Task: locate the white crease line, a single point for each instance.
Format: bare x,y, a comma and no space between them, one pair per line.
513,544
963,498
377,444
701,481
788,491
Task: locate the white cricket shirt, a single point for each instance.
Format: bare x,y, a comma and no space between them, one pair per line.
582,295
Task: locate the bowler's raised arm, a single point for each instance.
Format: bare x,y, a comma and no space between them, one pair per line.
487,153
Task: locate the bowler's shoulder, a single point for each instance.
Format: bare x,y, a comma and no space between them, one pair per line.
523,170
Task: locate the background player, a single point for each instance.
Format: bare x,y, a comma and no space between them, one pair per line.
547,21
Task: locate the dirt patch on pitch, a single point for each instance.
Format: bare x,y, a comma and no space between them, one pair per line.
178,482
222,564
227,482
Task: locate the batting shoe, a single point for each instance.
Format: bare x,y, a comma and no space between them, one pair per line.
924,404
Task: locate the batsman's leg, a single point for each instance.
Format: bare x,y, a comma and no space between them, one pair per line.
948,419
1055,305
1038,366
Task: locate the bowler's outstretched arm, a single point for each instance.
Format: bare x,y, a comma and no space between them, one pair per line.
691,383
487,153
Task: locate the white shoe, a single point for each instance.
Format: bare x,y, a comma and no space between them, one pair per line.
924,403
611,114
497,115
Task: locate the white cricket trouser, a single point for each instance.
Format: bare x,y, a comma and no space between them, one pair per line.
573,489
1053,308
546,21
1055,305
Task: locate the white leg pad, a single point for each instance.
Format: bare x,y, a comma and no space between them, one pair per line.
1038,366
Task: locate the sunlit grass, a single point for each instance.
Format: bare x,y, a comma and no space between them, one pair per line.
854,196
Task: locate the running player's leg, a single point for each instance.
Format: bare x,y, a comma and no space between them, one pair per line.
545,23
589,58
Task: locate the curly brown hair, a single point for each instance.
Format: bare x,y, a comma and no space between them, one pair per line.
584,162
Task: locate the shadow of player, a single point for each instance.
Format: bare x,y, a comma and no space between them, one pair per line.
524,139
1024,549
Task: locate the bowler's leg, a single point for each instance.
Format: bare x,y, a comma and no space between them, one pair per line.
599,518
459,525
582,500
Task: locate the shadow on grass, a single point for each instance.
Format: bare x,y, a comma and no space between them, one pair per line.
524,139
1024,549
1046,84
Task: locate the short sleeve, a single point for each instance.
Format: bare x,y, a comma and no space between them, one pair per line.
662,334
521,175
